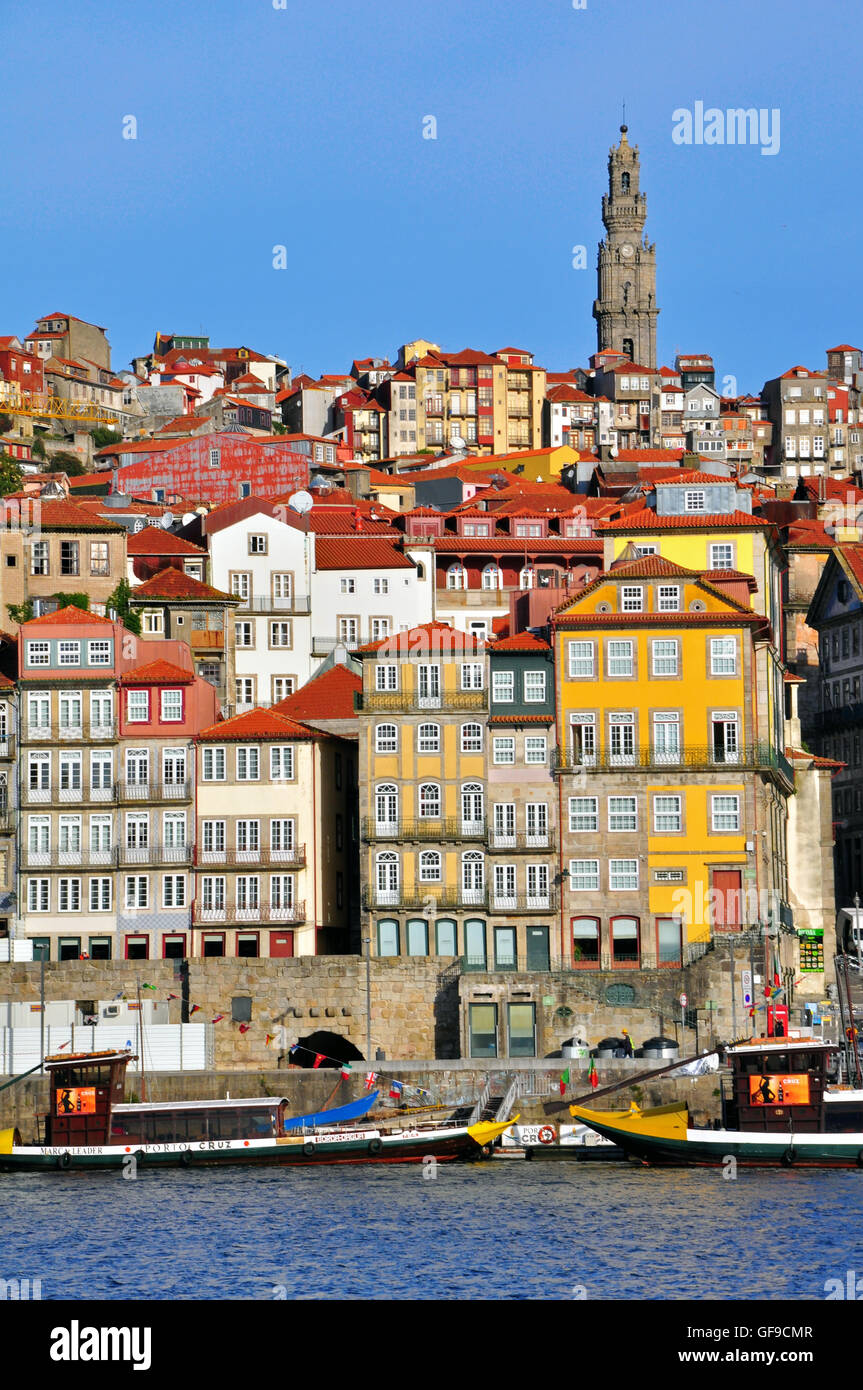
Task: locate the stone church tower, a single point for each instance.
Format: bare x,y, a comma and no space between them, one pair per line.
625,310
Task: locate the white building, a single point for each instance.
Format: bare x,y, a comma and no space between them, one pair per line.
363,589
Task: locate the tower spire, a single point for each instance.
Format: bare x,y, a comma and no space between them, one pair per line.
625,308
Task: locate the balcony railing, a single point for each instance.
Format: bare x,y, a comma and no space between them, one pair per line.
154,854
7,746
289,858
523,902
68,795
154,791
647,959
460,701
116,856
754,758
434,898
518,841
231,912
299,604
439,828
322,646
844,717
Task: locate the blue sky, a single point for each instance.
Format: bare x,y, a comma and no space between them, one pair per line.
302,127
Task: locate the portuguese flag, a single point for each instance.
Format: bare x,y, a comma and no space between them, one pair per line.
591,1075
564,1081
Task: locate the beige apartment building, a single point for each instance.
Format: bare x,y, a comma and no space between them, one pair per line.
55,547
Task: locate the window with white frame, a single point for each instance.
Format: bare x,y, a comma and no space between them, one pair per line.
581,660
174,890
137,891
725,813
663,652
583,814
620,660
667,814
152,621
471,675
471,738
534,687
69,895
347,585
503,687
622,813
39,711
430,866
70,653
722,556
99,653
622,875
631,598
100,894
280,633
536,749
138,706
584,875
172,706
694,500
257,543
386,677
213,765
38,653
503,751
386,738
428,801
38,894
281,763
723,656
428,738
381,586
668,598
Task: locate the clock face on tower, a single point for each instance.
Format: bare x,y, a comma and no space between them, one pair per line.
627,249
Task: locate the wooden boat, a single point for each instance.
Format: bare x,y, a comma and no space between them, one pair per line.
784,1110
89,1127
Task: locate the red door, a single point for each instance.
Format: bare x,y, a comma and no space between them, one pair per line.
727,900
281,943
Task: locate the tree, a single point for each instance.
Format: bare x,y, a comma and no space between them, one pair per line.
119,601
77,600
6,422
103,436
20,612
10,474
64,462
37,448
279,428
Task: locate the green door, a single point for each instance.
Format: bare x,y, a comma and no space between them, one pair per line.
537,948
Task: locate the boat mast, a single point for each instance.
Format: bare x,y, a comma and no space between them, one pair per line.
141,1043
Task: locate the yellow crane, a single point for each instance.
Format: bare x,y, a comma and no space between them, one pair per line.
55,408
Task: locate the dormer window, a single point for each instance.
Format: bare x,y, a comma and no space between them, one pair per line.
694,501
632,598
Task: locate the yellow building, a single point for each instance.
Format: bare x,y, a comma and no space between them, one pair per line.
672,772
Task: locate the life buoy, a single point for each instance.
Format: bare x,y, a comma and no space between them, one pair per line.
546,1135
308,1149
64,1161
375,1146
186,1158
788,1158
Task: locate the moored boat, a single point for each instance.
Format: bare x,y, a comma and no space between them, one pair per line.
785,1110
88,1126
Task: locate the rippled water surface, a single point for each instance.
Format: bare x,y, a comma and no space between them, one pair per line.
491,1230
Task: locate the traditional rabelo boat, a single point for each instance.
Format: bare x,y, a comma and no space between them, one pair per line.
89,1126
784,1108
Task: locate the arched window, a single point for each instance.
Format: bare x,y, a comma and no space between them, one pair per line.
585,941
428,800
421,570
428,738
386,738
473,877
388,938
386,808
456,577
430,866
387,878
471,738
492,577
624,183
472,809
527,578
624,941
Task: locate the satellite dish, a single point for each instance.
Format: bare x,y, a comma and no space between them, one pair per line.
188,518
167,521
202,511
301,502
457,442
614,452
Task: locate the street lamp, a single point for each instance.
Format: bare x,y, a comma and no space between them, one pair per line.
367,943
857,931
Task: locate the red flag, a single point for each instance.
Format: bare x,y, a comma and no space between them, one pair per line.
319,1057
592,1076
267,1040
244,1028
173,996
218,1018
194,1009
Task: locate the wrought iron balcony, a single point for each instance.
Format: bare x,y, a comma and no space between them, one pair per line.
424,898
234,914
154,791
237,858
455,702
298,604
758,757
428,829
518,841
523,902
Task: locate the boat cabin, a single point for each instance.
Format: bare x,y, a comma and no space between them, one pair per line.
84,1087
176,1122
781,1085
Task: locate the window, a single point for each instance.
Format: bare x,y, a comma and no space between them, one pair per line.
428,801
387,878
99,562
471,738
624,941
428,738
666,737
69,557
583,814
99,653
172,706
430,866
70,653
471,675
622,875
456,577
503,751
153,621
38,654
581,660
241,585
622,813
380,628
491,577
723,656
418,937
69,895
632,598
138,706
664,656
534,687
694,501
722,557
213,836
381,586
347,586
280,634
257,543
667,814
585,941
621,738
536,749
483,1029
620,658
503,687
386,677
174,890
668,598
137,891
248,763
584,875
725,813
100,895
244,634
39,558
386,738
281,763
214,765
38,895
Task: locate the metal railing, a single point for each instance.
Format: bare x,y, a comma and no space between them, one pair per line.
439,828
288,858
243,915
521,840
154,791
322,646
298,604
481,1103
117,855
523,902
411,703
758,757
416,900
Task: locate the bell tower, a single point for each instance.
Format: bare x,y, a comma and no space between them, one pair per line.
625,308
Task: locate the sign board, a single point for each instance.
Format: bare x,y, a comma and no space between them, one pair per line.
524,1136
683,1001
746,982
767,1089
76,1100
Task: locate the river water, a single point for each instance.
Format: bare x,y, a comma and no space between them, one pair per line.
494,1230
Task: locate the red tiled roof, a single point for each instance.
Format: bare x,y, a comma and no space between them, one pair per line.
549,544
359,554
624,620
158,673
329,695
521,642
73,516
646,567
175,584
843,347
184,423
259,724
522,718
69,614
646,520
713,575
154,541
686,479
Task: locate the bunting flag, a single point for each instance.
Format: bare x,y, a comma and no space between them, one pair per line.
152,987
269,1038
218,1018
244,1028
319,1057
396,1090
346,1069
196,1008
173,996
295,1048
371,1078
120,995
564,1081
591,1075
